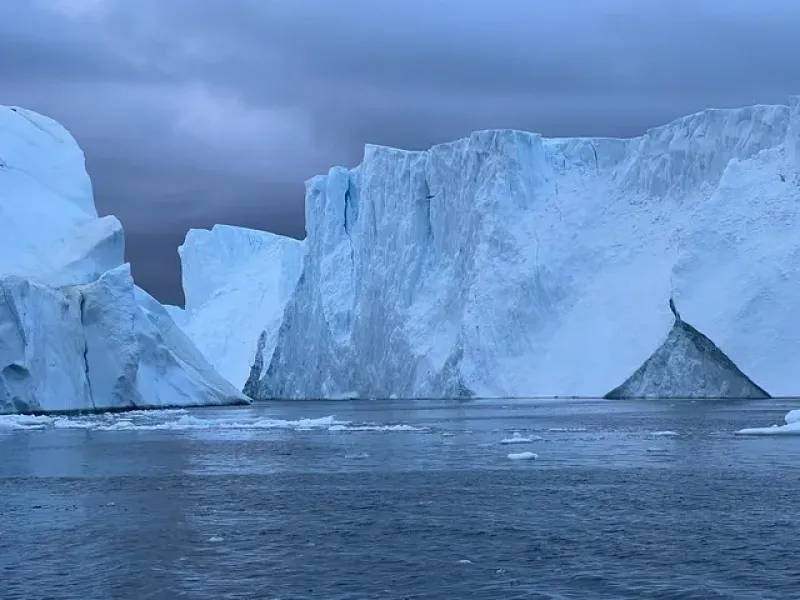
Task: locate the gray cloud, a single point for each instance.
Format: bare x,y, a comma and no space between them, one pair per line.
196,112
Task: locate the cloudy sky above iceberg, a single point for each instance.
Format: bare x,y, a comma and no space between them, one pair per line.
193,112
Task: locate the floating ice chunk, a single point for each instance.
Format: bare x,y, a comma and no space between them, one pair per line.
566,429
24,422
181,420
523,456
519,439
792,426
368,427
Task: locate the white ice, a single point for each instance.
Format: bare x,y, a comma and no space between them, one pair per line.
791,426
182,420
236,282
75,332
519,439
505,264
523,456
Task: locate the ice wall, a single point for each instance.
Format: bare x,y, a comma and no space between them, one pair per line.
505,264
236,283
75,332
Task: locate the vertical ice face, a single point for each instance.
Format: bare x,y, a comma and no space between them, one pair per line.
793,137
236,282
75,333
47,200
504,264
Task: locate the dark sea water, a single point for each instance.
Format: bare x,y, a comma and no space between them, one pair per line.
393,500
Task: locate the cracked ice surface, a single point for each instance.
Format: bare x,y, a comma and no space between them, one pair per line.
505,264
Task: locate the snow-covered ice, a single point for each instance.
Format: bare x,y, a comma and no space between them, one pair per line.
687,365
236,282
508,265
75,332
791,426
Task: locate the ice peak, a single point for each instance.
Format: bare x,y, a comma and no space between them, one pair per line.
75,334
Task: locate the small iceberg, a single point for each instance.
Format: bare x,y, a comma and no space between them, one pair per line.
519,439
523,456
687,365
792,426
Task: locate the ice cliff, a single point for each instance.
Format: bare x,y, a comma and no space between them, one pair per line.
505,264
687,365
75,332
236,283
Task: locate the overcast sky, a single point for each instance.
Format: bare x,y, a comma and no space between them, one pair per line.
193,112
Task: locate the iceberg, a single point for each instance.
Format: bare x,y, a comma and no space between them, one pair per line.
75,332
791,426
510,265
687,365
236,283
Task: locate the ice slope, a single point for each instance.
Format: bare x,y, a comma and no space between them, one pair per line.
687,365
505,264
236,282
75,332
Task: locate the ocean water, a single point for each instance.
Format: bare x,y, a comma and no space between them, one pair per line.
352,500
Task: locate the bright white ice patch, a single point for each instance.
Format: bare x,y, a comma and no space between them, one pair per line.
567,429
24,422
523,456
792,426
182,420
372,427
519,439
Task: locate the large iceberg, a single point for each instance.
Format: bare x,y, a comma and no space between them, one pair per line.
75,332
236,283
505,264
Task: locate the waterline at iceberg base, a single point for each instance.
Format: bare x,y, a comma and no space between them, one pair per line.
509,265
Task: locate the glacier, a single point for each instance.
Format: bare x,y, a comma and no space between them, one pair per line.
236,283
75,332
687,365
510,265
